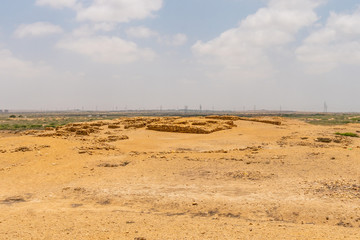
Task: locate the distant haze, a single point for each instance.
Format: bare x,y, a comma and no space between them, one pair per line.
168,54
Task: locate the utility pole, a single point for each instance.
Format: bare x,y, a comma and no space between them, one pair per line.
325,107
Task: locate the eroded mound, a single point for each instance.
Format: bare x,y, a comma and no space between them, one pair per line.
201,126
165,124
274,121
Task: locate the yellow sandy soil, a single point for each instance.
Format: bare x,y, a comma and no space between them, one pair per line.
253,181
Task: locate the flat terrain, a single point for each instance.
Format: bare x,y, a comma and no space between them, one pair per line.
181,178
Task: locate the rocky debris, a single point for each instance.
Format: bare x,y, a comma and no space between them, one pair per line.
134,153
82,151
235,118
117,138
104,201
90,149
336,139
2,151
28,148
82,132
141,122
198,123
76,205
344,224
72,129
74,189
336,189
167,124
216,151
109,165
135,125
97,124
138,122
29,132
190,126
41,147
215,212
224,117
343,140
180,129
260,120
249,175
114,126
22,149
324,140
253,149
12,200
113,138
77,192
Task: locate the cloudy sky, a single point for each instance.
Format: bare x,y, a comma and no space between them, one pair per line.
143,54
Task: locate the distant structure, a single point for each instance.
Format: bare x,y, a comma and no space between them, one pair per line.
200,108
1,110
6,111
325,107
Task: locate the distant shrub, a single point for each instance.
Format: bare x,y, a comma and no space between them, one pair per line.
12,116
18,126
347,134
35,126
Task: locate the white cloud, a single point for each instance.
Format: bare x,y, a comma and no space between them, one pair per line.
25,80
83,31
246,47
92,29
105,49
105,27
109,11
37,29
144,32
57,3
118,10
337,43
175,40
15,68
140,32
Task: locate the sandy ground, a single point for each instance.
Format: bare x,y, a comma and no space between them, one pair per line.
254,181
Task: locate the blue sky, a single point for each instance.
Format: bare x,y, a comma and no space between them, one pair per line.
143,54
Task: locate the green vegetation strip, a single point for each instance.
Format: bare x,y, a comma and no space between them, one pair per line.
42,121
326,119
348,134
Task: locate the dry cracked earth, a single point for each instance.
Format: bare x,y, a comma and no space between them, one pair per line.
181,178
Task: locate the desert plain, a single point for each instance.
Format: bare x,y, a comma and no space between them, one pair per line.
144,178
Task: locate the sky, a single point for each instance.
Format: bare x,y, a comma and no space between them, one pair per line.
151,54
